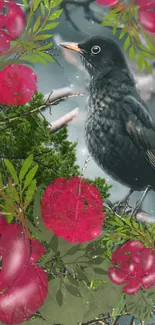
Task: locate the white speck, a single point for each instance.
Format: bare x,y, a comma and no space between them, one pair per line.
77,77
71,85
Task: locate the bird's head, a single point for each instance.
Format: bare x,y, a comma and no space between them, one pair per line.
98,54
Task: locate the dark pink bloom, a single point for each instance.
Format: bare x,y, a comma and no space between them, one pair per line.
133,265
73,209
24,284
17,84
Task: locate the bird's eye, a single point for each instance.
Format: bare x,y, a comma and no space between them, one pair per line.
95,49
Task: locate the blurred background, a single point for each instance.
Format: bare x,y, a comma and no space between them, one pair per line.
80,20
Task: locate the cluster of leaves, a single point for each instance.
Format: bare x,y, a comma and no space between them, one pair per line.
133,42
29,48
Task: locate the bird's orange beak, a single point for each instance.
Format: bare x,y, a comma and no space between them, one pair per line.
71,46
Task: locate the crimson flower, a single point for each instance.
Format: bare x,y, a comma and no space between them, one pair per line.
12,24
134,266
23,284
17,84
73,209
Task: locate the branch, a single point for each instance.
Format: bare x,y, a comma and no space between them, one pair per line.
50,99
141,216
62,121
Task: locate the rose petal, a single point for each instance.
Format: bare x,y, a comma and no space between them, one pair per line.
15,252
117,276
148,280
25,297
38,250
132,288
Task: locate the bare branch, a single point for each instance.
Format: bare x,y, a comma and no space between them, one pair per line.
62,121
50,99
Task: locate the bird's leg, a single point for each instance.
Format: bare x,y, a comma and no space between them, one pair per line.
141,199
123,203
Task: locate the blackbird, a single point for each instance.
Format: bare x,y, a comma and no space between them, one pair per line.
119,130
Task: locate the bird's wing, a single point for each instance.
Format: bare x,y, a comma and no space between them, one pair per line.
140,126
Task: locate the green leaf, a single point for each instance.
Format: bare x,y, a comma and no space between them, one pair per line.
25,3
42,9
55,3
35,5
30,193
81,274
45,47
148,55
72,280
148,67
140,62
127,43
73,290
36,58
42,37
11,170
1,182
131,53
50,26
55,14
11,189
47,56
73,250
115,29
59,297
53,244
46,4
122,33
100,271
139,306
97,260
37,24
30,176
26,165
18,61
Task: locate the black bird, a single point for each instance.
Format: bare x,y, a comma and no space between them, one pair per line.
119,130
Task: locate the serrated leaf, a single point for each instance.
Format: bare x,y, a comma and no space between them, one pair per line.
50,26
42,8
26,165
59,297
107,23
30,176
11,189
30,193
140,62
131,53
47,56
73,250
55,3
72,280
35,5
100,271
11,170
127,43
73,290
139,305
37,24
47,5
45,47
53,244
42,37
55,14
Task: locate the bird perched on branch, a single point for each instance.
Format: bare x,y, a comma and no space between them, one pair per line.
119,131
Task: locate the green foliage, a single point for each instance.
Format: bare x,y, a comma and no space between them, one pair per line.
127,18
29,46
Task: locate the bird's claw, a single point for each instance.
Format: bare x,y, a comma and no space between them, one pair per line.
121,207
